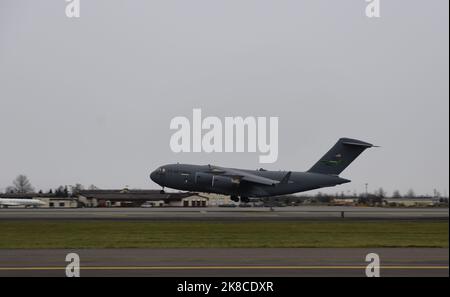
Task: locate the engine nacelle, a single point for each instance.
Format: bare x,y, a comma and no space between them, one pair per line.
224,182
216,181
204,179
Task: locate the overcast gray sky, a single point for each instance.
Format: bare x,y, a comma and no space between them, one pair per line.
90,100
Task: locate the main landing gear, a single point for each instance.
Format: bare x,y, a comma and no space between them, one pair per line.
240,198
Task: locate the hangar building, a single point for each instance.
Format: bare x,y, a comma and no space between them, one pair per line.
137,198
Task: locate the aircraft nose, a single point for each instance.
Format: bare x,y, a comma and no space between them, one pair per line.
154,176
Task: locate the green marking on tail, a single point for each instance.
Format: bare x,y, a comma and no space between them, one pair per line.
332,162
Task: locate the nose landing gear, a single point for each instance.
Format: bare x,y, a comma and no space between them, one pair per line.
162,191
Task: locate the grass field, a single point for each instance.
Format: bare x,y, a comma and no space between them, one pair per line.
120,234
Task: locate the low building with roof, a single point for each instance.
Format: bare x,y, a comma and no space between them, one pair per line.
411,202
137,198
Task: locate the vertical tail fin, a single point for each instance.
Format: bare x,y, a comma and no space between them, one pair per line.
340,156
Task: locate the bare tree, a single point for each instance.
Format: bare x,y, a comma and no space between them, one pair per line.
436,193
93,187
411,194
21,185
396,194
380,193
77,188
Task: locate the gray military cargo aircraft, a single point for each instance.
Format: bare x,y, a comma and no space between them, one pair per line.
243,184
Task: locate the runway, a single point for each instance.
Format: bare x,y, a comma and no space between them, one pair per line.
273,262
227,214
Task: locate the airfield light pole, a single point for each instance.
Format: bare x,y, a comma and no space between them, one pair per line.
367,193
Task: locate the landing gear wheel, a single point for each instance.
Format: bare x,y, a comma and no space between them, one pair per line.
162,191
245,200
234,198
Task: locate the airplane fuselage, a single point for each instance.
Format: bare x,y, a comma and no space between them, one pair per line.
6,202
198,178
262,183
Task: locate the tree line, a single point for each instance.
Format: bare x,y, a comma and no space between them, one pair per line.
22,185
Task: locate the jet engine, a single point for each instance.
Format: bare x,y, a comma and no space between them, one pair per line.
216,181
224,182
204,179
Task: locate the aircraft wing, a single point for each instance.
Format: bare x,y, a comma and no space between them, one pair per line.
243,176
